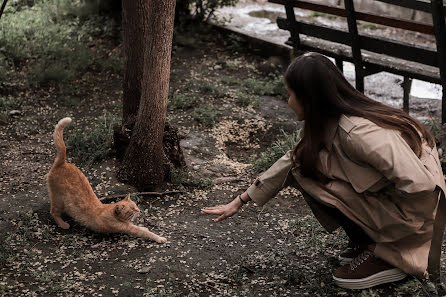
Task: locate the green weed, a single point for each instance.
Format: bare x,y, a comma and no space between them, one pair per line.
272,87
206,115
214,90
433,125
51,38
230,80
181,101
276,151
95,145
243,99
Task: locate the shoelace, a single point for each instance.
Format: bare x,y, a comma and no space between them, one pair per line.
360,259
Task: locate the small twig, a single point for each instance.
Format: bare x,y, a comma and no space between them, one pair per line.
142,194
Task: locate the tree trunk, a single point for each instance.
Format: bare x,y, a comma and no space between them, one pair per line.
148,29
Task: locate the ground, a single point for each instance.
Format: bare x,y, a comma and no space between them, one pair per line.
275,250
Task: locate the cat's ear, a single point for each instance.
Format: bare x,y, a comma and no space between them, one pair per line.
127,198
118,209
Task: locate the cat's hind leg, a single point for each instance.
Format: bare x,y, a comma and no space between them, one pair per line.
56,212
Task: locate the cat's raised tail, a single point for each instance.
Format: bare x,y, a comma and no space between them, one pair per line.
58,141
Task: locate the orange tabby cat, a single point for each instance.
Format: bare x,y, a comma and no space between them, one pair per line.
71,193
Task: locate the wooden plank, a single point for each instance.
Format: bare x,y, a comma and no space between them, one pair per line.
381,45
400,50
440,35
407,84
373,62
319,31
367,17
412,4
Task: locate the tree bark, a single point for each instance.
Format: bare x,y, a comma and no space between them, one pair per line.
148,29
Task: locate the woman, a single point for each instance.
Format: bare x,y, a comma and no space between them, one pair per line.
364,166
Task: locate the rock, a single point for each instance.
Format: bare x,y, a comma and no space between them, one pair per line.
15,112
225,179
144,270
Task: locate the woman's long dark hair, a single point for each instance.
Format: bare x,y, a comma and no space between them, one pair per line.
325,95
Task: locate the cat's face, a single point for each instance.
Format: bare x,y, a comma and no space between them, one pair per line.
126,209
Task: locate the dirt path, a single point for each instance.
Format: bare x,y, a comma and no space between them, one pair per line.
277,250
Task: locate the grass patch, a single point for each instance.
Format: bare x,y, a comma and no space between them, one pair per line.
273,87
207,88
50,39
181,101
206,115
95,145
188,179
276,151
244,99
230,80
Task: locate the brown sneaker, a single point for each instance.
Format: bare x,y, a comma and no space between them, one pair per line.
366,271
349,254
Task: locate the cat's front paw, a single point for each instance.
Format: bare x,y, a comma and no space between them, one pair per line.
161,240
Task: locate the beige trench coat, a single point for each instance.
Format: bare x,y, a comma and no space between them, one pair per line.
377,182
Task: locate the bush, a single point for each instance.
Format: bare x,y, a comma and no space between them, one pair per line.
205,115
95,145
272,87
181,101
276,151
52,38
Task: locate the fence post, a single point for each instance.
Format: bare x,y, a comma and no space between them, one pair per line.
438,15
355,44
293,26
3,8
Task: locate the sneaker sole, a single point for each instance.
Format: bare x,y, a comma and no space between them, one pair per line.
387,276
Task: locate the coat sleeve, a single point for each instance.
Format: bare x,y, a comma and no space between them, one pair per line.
272,180
386,151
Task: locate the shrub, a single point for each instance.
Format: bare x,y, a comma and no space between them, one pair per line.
205,115
244,99
95,145
181,101
276,151
272,87
50,39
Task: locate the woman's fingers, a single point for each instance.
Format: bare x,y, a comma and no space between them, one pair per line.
212,211
221,218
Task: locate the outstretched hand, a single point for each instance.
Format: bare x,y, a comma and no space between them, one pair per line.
224,211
